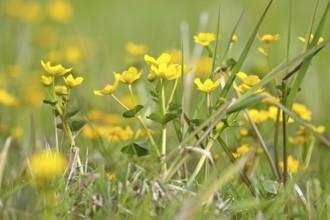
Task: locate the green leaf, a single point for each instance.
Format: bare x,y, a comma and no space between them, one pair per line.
169,117
77,124
72,111
174,106
59,126
271,186
156,117
246,103
137,148
49,102
131,113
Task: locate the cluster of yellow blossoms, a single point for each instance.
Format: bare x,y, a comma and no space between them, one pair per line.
57,71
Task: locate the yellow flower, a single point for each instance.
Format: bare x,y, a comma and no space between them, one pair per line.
243,149
108,89
73,82
130,75
61,90
248,82
57,70
165,71
73,54
17,132
46,81
243,132
293,164
203,67
268,38
59,10
204,38
257,116
262,51
302,39
303,135
163,58
272,114
207,86
47,164
301,110
234,38
7,99
136,49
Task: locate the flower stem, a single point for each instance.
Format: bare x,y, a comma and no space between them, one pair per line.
163,150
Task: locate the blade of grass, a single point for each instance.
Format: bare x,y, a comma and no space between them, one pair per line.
306,62
276,71
301,122
214,57
244,54
3,157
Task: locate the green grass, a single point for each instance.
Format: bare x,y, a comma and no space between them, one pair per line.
184,168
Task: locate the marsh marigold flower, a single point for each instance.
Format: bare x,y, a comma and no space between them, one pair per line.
293,164
302,39
136,49
243,149
73,82
130,75
208,85
108,89
59,10
61,90
57,70
47,164
46,81
7,99
248,82
268,38
163,58
258,116
204,38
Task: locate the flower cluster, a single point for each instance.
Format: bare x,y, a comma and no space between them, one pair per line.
248,82
163,69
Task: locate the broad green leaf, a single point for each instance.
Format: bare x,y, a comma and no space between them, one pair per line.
271,186
169,117
59,126
72,111
131,113
137,148
49,102
174,106
77,124
156,117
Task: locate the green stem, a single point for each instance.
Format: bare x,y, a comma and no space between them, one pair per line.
131,93
172,93
163,155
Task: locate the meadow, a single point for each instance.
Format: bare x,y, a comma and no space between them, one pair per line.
164,109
